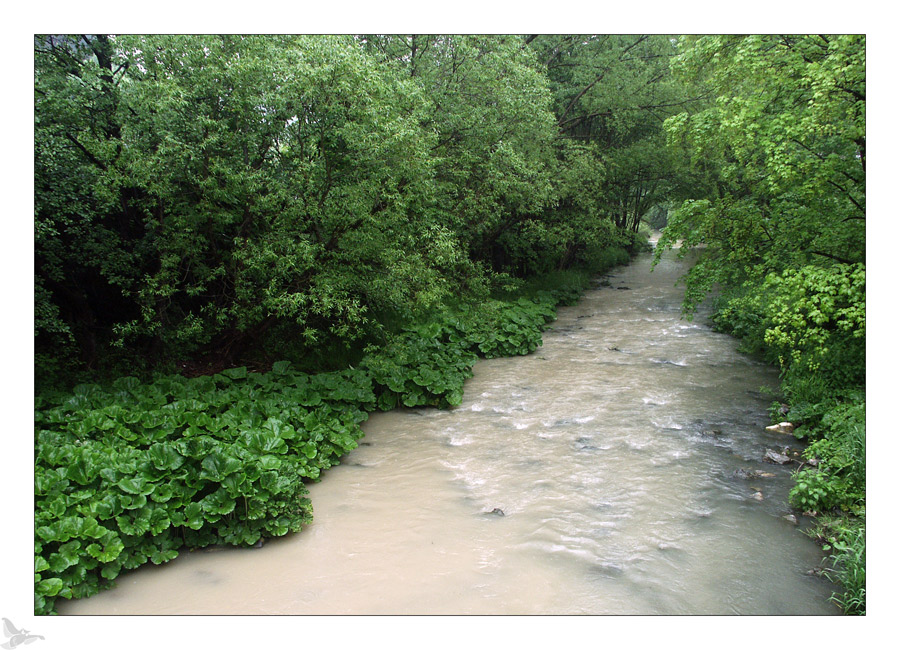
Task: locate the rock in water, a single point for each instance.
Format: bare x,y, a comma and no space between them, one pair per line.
496,511
748,474
774,457
781,427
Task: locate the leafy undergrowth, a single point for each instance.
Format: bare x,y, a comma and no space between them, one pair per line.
134,472
836,488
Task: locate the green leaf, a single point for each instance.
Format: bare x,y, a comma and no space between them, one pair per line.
40,564
280,367
135,486
111,571
268,462
193,516
165,456
218,503
106,549
159,557
264,442
236,373
49,586
217,466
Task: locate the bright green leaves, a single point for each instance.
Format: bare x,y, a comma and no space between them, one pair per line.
165,457
418,372
107,548
48,587
816,313
216,466
782,152
810,320
192,517
136,486
217,503
207,460
263,443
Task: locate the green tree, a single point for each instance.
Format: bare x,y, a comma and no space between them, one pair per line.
780,216
489,109
783,153
221,186
88,250
614,92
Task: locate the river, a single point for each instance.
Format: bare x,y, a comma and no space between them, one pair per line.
595,476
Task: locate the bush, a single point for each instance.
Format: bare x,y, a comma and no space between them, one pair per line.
417,369
839,447
845,538
811,321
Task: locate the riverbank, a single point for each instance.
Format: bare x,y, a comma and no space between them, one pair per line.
134,472
614,499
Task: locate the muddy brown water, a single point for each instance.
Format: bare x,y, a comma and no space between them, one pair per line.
611,452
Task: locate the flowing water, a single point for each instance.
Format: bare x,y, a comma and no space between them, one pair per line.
611,453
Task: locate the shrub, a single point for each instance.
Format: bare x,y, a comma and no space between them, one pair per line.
811,321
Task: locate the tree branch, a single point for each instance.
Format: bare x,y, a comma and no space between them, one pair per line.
84,150
599,78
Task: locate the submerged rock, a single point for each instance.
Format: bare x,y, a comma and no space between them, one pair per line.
751,474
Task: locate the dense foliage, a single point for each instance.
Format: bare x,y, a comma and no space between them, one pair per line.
375,211
226,199
136,472
780,159
315,227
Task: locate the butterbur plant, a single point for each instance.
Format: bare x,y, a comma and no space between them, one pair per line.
135,473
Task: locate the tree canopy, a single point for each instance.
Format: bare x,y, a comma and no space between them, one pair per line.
780,151
220,194
202,193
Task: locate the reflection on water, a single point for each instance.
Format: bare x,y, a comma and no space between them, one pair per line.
595,476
